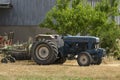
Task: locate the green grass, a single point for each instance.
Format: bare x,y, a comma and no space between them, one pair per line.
33,77
3,77
50,78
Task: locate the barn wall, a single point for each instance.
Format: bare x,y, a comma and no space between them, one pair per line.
24,17
25,12
22,33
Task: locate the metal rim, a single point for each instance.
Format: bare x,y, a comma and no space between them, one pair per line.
42,52
83,59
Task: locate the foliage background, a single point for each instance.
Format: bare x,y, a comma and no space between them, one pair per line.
78,16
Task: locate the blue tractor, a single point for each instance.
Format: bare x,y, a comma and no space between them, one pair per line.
54,49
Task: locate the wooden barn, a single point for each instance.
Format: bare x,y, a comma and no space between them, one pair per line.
24,16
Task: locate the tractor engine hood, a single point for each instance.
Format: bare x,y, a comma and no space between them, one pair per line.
81,39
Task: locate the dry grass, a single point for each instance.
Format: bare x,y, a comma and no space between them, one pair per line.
28,70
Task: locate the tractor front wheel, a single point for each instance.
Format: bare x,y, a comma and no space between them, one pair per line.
84,59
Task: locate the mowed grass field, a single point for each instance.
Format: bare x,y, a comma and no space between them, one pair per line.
28,70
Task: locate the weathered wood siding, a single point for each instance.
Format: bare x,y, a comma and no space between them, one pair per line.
25,12
22,33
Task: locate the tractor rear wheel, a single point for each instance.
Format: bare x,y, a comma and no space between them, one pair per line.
84,59
44,52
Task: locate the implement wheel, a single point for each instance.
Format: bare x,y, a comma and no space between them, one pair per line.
11,59
4,60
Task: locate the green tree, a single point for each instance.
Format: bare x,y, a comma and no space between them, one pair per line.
112,33
78,16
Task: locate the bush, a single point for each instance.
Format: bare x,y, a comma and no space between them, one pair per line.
78,16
